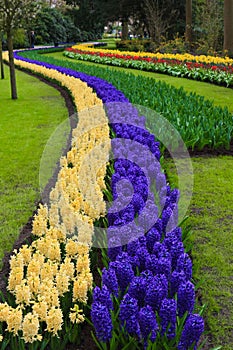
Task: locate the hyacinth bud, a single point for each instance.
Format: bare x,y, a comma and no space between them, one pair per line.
103,297
129,315
109,279
148,324
102,321
167,315
191,333
185,298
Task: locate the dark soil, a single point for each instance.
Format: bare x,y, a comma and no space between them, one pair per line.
25,236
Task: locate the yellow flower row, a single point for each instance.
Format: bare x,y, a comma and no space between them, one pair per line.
43,272
181,57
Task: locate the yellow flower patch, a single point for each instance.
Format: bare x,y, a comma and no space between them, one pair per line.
58,260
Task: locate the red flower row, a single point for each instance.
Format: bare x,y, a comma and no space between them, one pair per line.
188,64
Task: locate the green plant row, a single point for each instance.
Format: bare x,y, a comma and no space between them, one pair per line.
198,121
201,74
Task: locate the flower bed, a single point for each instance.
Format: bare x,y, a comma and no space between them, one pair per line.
199,122
205,68
147,277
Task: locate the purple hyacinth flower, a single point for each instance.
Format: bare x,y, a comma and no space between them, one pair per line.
185,298
152,236
160,251
193,329
133,246
109,279
129,315
174,246
102,321
156,292
137,289
177,278
143,256
164,267
167,315
152,264
102,296
125,274
148,276
184,263
148,324
166,217
174,195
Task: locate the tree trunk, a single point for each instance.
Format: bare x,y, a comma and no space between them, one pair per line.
124,35
1,60
11,65
188,26
228,27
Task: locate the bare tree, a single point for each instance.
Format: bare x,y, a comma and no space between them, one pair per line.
158,20
228,26
13,13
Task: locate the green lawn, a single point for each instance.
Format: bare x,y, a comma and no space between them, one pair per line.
25,126
211,220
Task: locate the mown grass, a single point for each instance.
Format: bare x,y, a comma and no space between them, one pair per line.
25,126
211,218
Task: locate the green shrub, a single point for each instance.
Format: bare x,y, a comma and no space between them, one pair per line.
20,39
133,45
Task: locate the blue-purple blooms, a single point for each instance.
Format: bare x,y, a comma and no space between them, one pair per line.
185,298
148,325
156,292
109,279
148,267
101,318
128,315
193,329
103,296
167,315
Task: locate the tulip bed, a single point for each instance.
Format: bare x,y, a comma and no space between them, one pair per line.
204,68
146,298
198,121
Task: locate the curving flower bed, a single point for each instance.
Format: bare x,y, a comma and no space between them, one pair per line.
147,276
205,68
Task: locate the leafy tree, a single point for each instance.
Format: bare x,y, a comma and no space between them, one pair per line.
51,26
89,16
